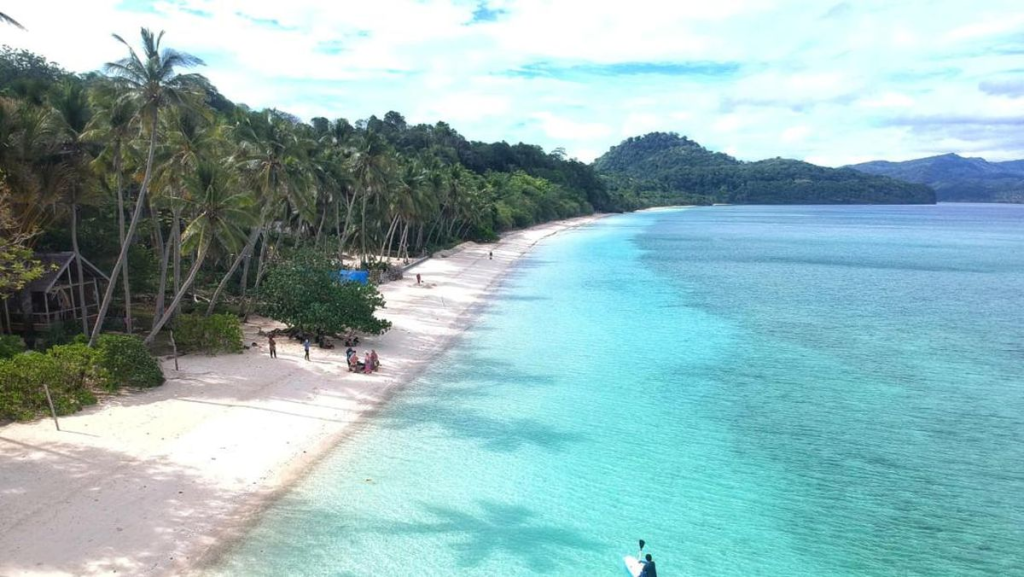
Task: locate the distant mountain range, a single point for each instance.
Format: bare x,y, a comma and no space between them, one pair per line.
665,168
956,178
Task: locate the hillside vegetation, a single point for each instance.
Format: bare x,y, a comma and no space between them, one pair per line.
665,168
957,179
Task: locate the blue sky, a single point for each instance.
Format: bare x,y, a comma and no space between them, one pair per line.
829,82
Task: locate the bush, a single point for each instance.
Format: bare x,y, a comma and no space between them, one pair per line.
127,363
10,345
22,396
211,335
304,292
81,364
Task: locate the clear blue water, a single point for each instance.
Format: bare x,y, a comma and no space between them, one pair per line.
772,391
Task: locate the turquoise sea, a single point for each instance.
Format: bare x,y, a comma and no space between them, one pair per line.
776,391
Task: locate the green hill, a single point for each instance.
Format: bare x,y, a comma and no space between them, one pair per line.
665,168
958,179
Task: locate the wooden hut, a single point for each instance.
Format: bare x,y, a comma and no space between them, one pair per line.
54,298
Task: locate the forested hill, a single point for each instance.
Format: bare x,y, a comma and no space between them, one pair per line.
958,179
665,168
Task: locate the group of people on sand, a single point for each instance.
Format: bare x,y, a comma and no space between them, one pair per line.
369,364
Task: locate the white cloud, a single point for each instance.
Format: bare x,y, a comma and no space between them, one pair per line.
784,66
795,134
565,129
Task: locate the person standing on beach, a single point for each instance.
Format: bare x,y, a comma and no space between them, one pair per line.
273,346
305,345
374,361
417,278
367,363
490,255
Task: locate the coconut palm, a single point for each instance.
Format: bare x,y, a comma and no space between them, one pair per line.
371,170
189,137
272,159
151,82
8,20
113,126
221,212
71,115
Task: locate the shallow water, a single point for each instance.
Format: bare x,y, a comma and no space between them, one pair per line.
753,390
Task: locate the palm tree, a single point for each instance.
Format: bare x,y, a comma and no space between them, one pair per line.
221,211
8,20
151,82
71,117
190,136
113,125
371,170
272,159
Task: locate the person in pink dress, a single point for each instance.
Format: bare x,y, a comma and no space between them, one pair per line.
367,363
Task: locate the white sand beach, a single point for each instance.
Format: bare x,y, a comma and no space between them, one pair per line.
155,482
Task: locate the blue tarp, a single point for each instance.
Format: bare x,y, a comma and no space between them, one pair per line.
359,276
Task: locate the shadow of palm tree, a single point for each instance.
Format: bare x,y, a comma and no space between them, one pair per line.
500,528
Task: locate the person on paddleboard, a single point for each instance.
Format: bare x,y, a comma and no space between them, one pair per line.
649,570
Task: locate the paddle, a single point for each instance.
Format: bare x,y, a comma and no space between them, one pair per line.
639,554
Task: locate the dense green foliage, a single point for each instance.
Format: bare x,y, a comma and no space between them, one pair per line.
67,372
17,265
73,372
127,363
958,179
665,168
10,345
304,292
208,334
209,191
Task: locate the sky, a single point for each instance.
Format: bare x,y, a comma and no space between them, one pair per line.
829,82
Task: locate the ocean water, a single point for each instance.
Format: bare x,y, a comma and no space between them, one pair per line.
774,391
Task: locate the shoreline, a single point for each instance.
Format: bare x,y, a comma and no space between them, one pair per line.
165,481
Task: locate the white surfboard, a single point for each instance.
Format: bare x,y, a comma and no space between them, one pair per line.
633,565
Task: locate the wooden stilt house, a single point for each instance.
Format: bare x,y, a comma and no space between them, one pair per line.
55,298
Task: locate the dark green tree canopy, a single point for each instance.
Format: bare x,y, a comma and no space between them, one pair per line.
304,291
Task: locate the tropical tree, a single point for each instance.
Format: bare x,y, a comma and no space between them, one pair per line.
190,136
8,20
113,126
72,187
272,160
151,82
371,170
221,210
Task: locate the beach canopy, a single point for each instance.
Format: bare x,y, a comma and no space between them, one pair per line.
359,276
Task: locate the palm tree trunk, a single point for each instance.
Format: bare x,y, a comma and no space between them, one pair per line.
362,226
320,229
387,237
122,256
337,223
350,204
176,235
78,264
165,251
121,236
244,283
404,245
255,234
177,298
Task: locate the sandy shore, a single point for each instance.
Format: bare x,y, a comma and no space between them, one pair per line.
156,482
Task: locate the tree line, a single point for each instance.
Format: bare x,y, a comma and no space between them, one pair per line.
148,170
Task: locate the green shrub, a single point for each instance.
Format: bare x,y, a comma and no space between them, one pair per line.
22,396
10,345
127,363
211,335
81,364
